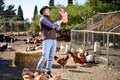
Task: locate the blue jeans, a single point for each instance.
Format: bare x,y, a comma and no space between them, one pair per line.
49,48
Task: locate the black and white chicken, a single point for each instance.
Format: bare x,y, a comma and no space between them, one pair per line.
3,46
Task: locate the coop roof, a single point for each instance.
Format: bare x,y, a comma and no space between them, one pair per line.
104,22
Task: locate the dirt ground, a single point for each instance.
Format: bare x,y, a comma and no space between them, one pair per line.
88,71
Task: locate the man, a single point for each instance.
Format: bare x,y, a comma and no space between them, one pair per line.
49,29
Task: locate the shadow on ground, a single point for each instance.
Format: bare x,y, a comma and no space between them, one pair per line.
7,72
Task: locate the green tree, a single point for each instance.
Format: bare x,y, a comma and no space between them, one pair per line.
27,24
110,1
35,24
51,3
35,12
76,13
114,4
70,1
1,8
104,5
10,11
20,13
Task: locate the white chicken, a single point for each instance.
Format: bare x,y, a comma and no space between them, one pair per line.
80,50
38,47
9,46
111,44
61,46
67,48
89,58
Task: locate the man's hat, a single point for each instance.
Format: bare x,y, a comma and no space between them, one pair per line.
43,8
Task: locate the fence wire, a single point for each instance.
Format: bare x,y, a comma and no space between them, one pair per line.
107,35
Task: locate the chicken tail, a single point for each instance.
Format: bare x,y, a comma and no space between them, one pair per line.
55,57
67,57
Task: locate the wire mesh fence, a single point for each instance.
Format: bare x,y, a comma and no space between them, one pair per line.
13,26
102,34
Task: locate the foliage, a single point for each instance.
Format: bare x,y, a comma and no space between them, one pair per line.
76,13
104,5
67,27
51,3
35,25
71,12
35,12
80,26
18,25
70,1
54,13
20,13
10,12
1,8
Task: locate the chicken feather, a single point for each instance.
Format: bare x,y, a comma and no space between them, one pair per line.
61,61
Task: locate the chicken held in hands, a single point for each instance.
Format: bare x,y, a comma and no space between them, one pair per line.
62,15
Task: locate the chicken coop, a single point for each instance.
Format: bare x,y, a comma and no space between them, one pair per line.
100,35
13,26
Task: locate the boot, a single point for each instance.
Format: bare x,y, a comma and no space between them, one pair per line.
49,74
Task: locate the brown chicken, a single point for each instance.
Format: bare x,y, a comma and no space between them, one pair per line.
76,59
38,72
40,75
61,61
57,49
62,15
56,77
27,74
83,58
